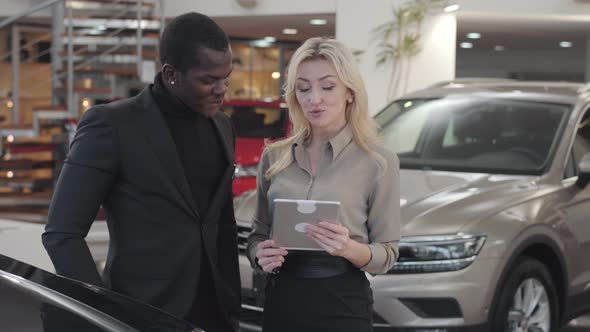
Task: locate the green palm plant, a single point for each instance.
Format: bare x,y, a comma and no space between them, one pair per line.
398,40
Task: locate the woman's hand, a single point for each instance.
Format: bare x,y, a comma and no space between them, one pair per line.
335,239
269,255
331,236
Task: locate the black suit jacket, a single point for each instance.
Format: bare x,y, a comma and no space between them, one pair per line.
124,158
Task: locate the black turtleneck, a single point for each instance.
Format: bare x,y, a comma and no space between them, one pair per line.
202,157
198,145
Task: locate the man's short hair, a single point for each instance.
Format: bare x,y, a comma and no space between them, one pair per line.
185,35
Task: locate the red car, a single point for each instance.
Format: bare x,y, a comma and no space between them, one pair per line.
255,121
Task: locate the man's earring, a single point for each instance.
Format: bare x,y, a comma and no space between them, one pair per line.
172,82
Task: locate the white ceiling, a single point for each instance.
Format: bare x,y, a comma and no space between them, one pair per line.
516,32
263,26
522,33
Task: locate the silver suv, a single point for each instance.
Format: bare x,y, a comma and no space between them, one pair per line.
495,210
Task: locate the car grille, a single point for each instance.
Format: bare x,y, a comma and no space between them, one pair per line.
244,231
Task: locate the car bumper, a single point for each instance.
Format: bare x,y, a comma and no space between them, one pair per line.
442,302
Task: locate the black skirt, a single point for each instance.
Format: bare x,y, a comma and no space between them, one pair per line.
328,304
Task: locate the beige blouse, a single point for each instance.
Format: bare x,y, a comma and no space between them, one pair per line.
368,194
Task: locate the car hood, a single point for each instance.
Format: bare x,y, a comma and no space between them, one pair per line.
435,202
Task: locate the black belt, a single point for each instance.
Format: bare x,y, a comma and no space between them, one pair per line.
315,264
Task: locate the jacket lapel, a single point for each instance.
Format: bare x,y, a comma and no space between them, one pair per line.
211,221
225,134
158,135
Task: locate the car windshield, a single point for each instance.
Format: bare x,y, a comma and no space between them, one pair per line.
473,133
258,122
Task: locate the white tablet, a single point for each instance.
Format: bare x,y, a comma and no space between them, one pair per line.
292,217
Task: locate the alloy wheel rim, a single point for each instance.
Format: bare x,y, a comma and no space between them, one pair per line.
530,310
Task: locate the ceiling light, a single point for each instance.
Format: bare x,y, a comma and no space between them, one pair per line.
466,45
10,138
318,21
408,104
76,5
270,39
474,35
260,43
86,102
94,31
10,174
290,31
451,8
499,48
454,85
276,75
566,44
9,103
101,27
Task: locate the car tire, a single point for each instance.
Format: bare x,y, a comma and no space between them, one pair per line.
512,311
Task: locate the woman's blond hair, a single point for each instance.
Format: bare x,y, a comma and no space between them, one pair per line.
363,127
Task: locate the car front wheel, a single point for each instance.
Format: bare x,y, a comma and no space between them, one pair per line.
527,301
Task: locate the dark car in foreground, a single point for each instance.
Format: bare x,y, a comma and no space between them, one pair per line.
34,300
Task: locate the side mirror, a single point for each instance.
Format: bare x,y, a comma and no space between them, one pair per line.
584,171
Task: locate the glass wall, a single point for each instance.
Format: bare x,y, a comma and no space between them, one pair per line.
258,70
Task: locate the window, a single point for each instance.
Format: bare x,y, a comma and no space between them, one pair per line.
402,135
581,142
474,133
258,72
258,122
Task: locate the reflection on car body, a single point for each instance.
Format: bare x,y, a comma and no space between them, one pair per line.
36,300
495,208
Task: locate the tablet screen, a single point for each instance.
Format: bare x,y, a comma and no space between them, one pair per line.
292,217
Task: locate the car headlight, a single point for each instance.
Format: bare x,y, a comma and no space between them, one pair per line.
427,254
246,171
